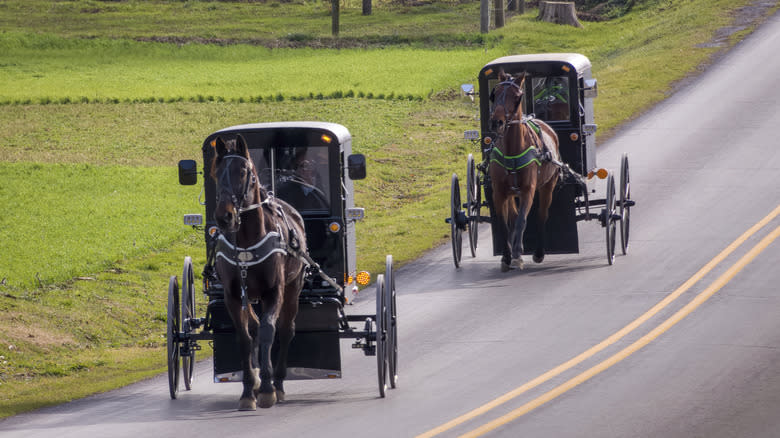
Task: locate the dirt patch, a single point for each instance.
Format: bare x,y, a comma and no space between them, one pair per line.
744,18
15,330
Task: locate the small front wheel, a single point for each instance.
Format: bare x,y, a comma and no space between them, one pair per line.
381,334
187,315
456,221
174,320
609,219
473,201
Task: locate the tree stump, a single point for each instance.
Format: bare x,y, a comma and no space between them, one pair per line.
559,13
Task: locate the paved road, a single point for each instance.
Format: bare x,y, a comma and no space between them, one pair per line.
652,346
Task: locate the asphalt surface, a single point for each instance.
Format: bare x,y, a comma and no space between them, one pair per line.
557,349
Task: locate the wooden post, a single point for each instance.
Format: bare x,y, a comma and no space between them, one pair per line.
498,5
520,6
366,7
559,12
484,16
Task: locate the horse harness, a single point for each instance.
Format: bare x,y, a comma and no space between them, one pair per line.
537,154
274,242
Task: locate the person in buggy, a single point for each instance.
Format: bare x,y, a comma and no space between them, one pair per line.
300,181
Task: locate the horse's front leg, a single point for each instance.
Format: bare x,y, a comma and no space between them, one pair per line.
517,234
265,334
286,330
246,327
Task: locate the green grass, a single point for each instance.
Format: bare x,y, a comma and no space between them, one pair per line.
274,23
41,69
92,129
69,219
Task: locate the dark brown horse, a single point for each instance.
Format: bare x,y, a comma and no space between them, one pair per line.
521,164
257,261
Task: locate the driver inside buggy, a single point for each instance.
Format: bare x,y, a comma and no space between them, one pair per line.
551,98
300,177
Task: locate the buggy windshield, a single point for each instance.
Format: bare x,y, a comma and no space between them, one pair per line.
296,174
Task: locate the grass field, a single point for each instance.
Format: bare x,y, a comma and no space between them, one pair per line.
96,114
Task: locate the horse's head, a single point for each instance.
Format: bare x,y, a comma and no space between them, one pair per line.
238,189
506,98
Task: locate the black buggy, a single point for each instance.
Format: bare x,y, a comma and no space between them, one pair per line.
559,90
309,165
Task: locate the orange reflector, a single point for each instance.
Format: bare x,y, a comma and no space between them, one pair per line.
602,173
334,227
488,72
565,68
214,143
574,136
212,231
326,138
488,140
363,278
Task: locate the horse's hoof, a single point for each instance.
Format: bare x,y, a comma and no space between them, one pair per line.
246,404
538,258
267,399
279,396
517,263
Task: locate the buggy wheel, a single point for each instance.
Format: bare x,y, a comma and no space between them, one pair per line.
392,321
381,335
455,221
609,218
173,336
625,208
473,204
187,314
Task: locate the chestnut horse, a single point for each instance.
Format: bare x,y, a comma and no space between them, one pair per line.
258,260
522,162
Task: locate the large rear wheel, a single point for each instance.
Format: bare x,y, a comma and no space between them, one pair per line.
187,315
392,322
625,203
173,336
456,221
473,201
609,219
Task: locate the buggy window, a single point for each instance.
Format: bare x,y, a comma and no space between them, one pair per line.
551,98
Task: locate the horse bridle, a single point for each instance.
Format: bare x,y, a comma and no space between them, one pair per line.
510,117
225,186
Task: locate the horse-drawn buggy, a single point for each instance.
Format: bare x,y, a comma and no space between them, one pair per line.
280,263
536,163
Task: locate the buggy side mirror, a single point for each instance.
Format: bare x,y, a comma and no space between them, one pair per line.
591,89
188,172
468,90
356,166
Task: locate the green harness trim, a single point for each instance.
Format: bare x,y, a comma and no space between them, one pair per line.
515,162
534,126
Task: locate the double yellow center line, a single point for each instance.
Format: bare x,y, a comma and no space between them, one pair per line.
721,281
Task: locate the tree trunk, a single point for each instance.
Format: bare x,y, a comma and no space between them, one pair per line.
484,16
498,5
334,22
559,12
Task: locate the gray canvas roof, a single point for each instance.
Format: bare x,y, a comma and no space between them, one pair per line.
579,62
